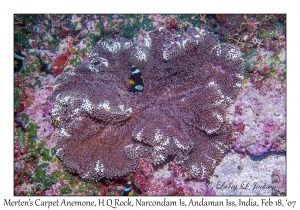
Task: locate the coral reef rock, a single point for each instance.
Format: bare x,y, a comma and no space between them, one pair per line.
249,176
259,117
106,130
169,180
278,183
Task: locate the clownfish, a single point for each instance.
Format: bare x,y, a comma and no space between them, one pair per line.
127,189
56,123
136,80
18,60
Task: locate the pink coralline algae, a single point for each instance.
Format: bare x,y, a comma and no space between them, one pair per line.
170,180
40,107
279,183
259,113
106,131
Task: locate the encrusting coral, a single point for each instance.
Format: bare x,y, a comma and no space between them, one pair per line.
105,130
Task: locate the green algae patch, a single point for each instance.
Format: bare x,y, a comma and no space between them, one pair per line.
247,67
38,82
25,118
80,189
39,187
87,192
20,135
46,156
17,96
17,93
147,24
95,36
47,182
129,28
190,18
96,191
36,161
31,142
59,162
128,31
56,176
73,182
66,176
263,34
32,133
40,173
65,191
53,151
34,153
179,32
40,146
31,127
107,37
250,53
16,105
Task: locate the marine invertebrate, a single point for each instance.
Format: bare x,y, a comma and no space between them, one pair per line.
107,130
58,63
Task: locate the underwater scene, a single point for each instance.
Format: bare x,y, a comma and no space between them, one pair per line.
149,104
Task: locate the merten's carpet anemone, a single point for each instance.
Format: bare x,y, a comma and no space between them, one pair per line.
188,82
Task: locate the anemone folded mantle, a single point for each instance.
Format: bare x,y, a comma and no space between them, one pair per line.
188,83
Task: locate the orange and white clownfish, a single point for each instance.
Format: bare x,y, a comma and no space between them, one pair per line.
128,189
136,80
